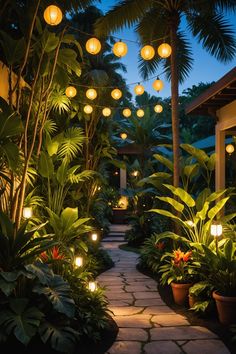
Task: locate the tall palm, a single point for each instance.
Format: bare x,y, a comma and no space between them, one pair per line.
156,19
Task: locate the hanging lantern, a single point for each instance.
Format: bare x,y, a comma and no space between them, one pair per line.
93,46
139,90
158,108
91,94
71,91
229,149
88,109
116,94
123,136
106,112
126,112
158,85
27,212
120,49
147,52
164,50
52,15
140,113
78,261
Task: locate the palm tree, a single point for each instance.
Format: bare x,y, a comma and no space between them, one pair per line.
165,19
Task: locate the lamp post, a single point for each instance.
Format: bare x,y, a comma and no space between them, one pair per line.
216,231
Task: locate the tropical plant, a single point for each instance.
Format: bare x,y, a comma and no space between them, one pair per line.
217,38
151,254
201,294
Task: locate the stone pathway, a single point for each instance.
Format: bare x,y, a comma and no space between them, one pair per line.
146,324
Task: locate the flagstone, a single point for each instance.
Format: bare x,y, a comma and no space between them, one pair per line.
132,334
162,347
146,295
117,303
210,346
151,302
135,321
157,310
124,311
181,333
119,296
170,320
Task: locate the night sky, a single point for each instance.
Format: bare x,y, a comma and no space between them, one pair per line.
205,68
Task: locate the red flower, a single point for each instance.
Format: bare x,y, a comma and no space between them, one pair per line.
55,253
178,255
160,245
44,256
187,256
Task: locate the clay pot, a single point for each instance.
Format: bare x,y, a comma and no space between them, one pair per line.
180,292
226,308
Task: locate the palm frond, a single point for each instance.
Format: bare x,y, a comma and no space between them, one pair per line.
50,126
82,177
124,14
34,200
215,34
72,143
59,101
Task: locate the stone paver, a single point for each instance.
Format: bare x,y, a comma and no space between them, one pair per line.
146,324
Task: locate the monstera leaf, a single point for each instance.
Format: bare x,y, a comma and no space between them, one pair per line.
21,320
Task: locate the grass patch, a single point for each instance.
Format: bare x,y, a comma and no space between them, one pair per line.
129,248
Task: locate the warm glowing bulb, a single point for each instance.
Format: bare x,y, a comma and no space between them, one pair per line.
27,212
123,136
93,46
140,113
127,112
91,94
116,94
216,229
147,52
94,237
52,15
139,89
78,261
164,50
158,85
71,91
120,49
229,149
92,285
135,173
158,108
88,109
106,112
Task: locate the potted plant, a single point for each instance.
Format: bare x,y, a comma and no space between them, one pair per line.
178,271
219,268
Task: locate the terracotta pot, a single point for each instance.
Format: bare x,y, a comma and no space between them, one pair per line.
226,308
180,292
191,300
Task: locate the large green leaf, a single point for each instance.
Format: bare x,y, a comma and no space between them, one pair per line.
69,216
182,194
178,206
13,49
62,173
165,213
201,198
10,124
11,152
164,161
49,41
45,166
58,293
191,170
21,320
217,208
212,162
201,214
199,154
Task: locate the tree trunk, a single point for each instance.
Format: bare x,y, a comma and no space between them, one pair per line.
174,103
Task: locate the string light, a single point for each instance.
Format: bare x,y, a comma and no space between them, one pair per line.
229,149
158,85
93,46
88,109
120,49
164,50
126,112
123,136
71,91
147,52
52,15
91,94
140,113
158,108
106,112
139,90
116,94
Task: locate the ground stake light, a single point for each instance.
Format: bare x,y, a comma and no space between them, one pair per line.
92,285
27,212
94,237
216,231
79,261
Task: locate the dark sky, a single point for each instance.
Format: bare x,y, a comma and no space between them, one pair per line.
205,68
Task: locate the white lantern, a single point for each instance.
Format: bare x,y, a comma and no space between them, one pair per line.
27,212
92,285
79,261
216,230
94,237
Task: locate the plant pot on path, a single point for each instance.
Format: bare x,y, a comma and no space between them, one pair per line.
180,292
226,308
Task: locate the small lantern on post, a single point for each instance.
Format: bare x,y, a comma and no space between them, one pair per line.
92,285
216,231
27,212
79,261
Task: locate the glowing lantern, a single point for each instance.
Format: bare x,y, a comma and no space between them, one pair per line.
158,85
116,94
71,91
158,108
91,94
106,112
120,49
93,46
94,236
127,112
52,15
147,52
135,173
216,230
123,202
140,113
123,136
229,149
139,89
88,109
92,285
78,261
164,50
27,212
